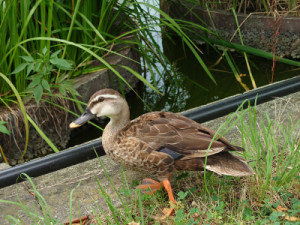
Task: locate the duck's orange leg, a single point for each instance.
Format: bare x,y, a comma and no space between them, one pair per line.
153,185
168,211
149,184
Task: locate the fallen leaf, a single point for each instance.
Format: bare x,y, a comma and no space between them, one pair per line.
292,218
196,216
280,208
256,204
134,223
82,220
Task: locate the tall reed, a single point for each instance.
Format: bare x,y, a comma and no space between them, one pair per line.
46,43
91,25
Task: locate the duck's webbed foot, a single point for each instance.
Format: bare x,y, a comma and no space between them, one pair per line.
149,186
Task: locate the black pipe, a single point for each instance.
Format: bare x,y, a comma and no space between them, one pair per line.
86,151
52,162
260,95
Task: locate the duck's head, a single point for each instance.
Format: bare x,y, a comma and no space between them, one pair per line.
106,102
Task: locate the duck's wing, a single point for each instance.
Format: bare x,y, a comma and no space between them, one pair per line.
178,134
167,140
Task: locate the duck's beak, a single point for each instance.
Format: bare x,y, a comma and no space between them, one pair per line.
86,116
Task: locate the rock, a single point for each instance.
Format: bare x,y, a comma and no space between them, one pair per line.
4,166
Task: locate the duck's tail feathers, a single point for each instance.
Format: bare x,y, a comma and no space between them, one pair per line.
223,163
227,164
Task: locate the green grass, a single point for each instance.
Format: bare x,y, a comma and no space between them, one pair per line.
271,196
40,56
90,27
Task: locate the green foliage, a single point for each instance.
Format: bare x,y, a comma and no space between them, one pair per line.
41,73
92,27
3,128
87,27
276,144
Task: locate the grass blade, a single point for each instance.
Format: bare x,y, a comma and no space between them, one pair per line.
22,108
42,134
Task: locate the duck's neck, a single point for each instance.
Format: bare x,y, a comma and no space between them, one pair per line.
116,123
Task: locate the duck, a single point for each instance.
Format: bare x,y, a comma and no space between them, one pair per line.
159,143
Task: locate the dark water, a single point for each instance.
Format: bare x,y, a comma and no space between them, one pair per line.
189,80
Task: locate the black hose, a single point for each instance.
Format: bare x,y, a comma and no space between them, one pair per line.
86,151
52,162
231,104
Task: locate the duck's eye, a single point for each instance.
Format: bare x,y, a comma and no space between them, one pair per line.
101,99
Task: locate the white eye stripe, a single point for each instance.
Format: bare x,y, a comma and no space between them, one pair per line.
106,96
103,96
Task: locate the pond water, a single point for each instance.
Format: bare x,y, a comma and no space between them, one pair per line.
192,85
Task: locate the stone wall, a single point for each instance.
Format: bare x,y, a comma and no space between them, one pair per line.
258,31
